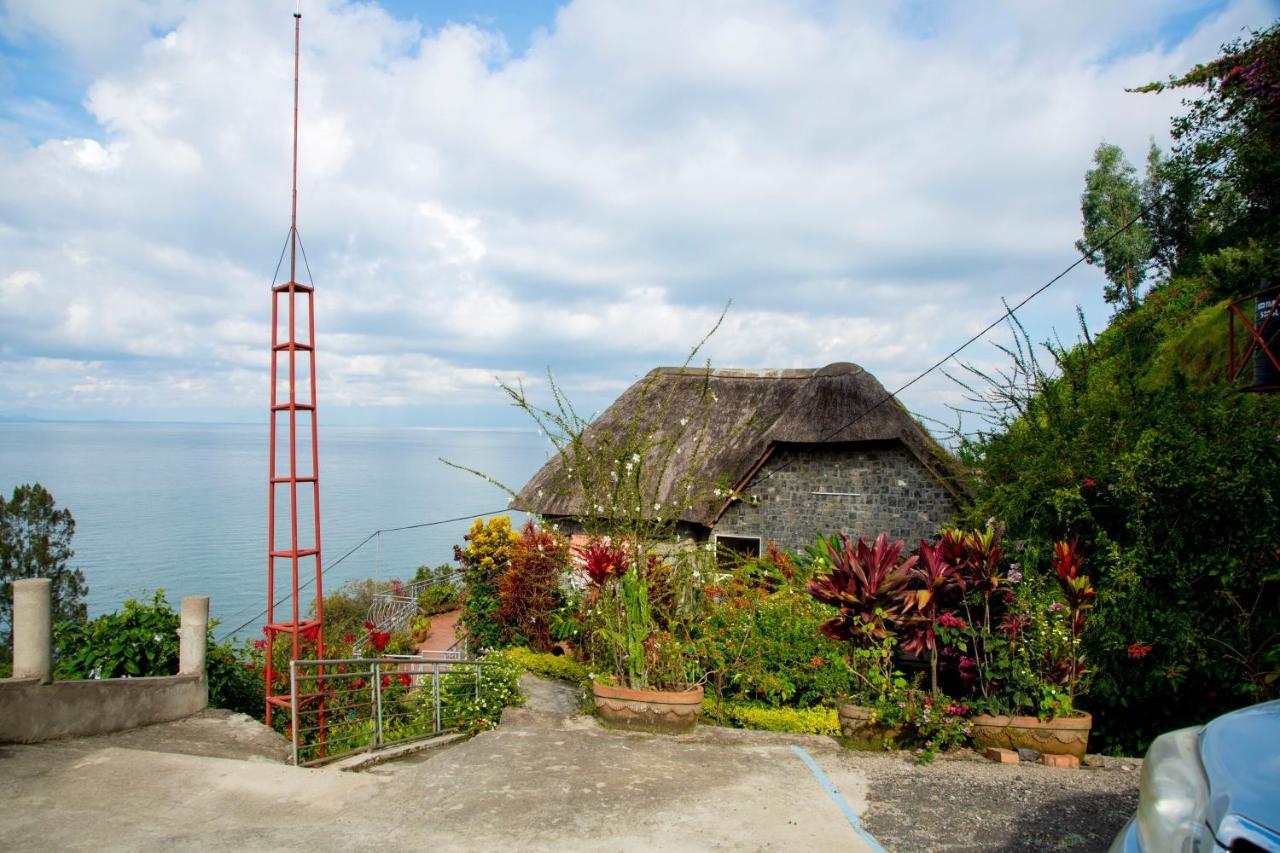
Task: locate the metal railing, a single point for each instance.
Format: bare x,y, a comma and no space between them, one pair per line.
351,705
393,611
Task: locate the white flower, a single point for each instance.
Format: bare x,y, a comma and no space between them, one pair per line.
717,493
684,422
657,506
635,457
155,638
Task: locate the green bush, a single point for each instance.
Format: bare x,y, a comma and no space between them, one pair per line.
484,560
437,599
1171,492
142,641
745,715
499,689
546,665
764,647
347,607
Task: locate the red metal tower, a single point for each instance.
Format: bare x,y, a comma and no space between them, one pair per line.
299,555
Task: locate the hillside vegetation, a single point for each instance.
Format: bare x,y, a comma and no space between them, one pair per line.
1133,442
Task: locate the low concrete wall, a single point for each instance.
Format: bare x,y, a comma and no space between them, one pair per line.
32,710
33,707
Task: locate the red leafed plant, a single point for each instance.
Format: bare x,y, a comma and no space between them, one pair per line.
528,591
864,585
602,559
931,582
1078,591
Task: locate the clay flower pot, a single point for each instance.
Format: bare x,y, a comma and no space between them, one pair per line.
664,711
1058,736
858,729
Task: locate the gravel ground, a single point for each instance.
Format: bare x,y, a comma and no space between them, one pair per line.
966,803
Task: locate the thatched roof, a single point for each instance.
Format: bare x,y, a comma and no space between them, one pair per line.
753,412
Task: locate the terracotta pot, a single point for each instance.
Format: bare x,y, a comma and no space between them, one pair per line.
648,710
1059,736
859,732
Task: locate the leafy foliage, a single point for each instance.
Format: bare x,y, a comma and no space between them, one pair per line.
142,641
746,715
35,542
546,665
1110,203
765,648
529,590
484,560
499,689
864,585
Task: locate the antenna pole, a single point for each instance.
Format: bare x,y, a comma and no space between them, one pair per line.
293,218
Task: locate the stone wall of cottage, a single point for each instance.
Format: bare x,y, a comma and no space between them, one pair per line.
804,490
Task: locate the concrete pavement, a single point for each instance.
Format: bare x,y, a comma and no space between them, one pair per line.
541,781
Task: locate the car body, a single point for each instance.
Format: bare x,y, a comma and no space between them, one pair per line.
1210,788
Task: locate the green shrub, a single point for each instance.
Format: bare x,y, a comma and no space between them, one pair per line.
546,665
436,599
142,641
347,607
745,715
764,647
484,560
499,689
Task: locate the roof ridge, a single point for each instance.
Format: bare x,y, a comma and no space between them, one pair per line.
834,369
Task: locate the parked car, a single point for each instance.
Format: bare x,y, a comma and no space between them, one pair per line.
1210,788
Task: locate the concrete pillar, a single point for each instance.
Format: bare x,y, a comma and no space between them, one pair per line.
33,629
193,634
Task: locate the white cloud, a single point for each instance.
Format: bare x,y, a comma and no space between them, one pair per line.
864,183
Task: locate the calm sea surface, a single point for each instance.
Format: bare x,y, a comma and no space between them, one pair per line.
183,506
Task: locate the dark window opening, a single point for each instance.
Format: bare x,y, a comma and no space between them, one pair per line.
731,550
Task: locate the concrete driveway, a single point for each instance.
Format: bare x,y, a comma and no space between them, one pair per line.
542,781
546,779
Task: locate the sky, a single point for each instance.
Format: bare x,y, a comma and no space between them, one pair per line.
495,190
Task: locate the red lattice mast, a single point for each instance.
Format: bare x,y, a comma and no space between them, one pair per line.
300,556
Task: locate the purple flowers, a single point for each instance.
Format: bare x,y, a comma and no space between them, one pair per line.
1014,575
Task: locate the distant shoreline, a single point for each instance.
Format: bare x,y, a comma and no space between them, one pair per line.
23,420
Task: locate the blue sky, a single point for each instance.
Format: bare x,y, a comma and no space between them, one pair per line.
494,189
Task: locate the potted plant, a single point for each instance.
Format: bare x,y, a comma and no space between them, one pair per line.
1019,652
865,583
639,639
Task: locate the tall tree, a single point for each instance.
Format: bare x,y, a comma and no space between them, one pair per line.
35,542
1170,199
1110,203
1227,147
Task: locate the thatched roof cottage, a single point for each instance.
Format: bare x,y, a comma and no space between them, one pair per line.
812,451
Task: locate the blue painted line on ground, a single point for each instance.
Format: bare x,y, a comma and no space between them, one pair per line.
838,798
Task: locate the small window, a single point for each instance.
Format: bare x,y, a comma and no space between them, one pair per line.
731,550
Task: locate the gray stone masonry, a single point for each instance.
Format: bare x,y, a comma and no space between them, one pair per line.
891,490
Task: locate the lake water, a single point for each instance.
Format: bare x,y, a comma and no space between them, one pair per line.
183,506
